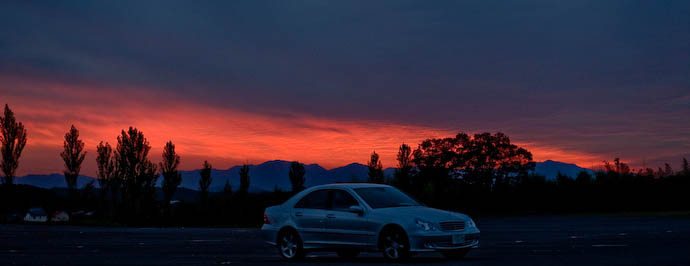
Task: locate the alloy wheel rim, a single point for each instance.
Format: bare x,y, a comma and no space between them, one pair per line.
288,247
392,247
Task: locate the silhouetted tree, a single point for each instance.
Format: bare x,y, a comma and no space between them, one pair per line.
106,174
227,189
375,169
483,161
464,167
171,177
491,160
618,167
13,139
86,191
134,171
660,173
668,171
244,180
73,155
583,178
686,167
106,165
404,171
563,180
435,158
205,181
296,175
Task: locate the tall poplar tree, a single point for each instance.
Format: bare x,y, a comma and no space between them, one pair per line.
171,177
73,155
13,140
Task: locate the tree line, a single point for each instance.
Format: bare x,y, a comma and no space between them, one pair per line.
479,173
127,178
486,173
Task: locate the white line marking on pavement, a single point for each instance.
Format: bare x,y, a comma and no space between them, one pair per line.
612,245
519,241
623,234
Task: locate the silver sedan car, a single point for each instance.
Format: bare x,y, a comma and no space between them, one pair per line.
351,218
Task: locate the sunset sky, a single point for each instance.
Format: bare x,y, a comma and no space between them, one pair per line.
328,82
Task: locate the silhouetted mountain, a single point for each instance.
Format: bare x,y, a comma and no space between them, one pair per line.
274,174
53,180
550,169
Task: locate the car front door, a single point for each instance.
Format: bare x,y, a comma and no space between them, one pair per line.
310,214
344,227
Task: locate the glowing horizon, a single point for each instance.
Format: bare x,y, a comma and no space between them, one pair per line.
224,136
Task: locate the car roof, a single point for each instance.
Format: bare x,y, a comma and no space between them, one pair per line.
348,185
293,200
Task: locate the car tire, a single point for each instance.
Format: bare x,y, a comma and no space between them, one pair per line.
347,253
394,244
455,254
290,245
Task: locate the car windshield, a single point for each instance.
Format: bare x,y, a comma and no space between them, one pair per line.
385,197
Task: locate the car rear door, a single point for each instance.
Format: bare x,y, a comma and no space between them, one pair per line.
310,214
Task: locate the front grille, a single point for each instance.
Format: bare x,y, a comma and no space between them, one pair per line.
448,244
446,241
453,226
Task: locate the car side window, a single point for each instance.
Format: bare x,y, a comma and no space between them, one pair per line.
342,200
314,200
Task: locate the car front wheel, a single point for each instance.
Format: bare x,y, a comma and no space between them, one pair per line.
290,245
394,244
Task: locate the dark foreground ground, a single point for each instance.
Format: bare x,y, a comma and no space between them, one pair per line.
532,240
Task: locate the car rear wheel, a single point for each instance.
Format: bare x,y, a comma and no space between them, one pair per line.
290,245
455,254
347,253
394,244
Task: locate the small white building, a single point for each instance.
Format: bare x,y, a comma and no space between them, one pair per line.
36,215
59,217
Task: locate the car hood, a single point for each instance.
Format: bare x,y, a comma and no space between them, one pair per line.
421,212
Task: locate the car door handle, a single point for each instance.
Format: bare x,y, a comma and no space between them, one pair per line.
298,214
330,215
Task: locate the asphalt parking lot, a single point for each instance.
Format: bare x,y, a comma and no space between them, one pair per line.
524,240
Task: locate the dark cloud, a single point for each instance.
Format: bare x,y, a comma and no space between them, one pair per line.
514,65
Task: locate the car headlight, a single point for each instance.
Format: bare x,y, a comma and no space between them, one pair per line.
425,225
470,224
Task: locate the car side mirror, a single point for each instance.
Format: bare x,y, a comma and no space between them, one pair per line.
356,209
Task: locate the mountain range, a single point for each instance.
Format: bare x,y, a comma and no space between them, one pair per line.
270,175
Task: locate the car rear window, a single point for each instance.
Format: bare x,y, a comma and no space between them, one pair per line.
314,200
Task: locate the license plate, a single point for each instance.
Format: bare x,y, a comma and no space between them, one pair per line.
458,239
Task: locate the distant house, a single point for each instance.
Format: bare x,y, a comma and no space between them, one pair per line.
15,217
59,216
36,215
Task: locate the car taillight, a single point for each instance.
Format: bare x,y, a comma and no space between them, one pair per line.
266,221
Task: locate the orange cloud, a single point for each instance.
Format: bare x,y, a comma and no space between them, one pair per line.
224,136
